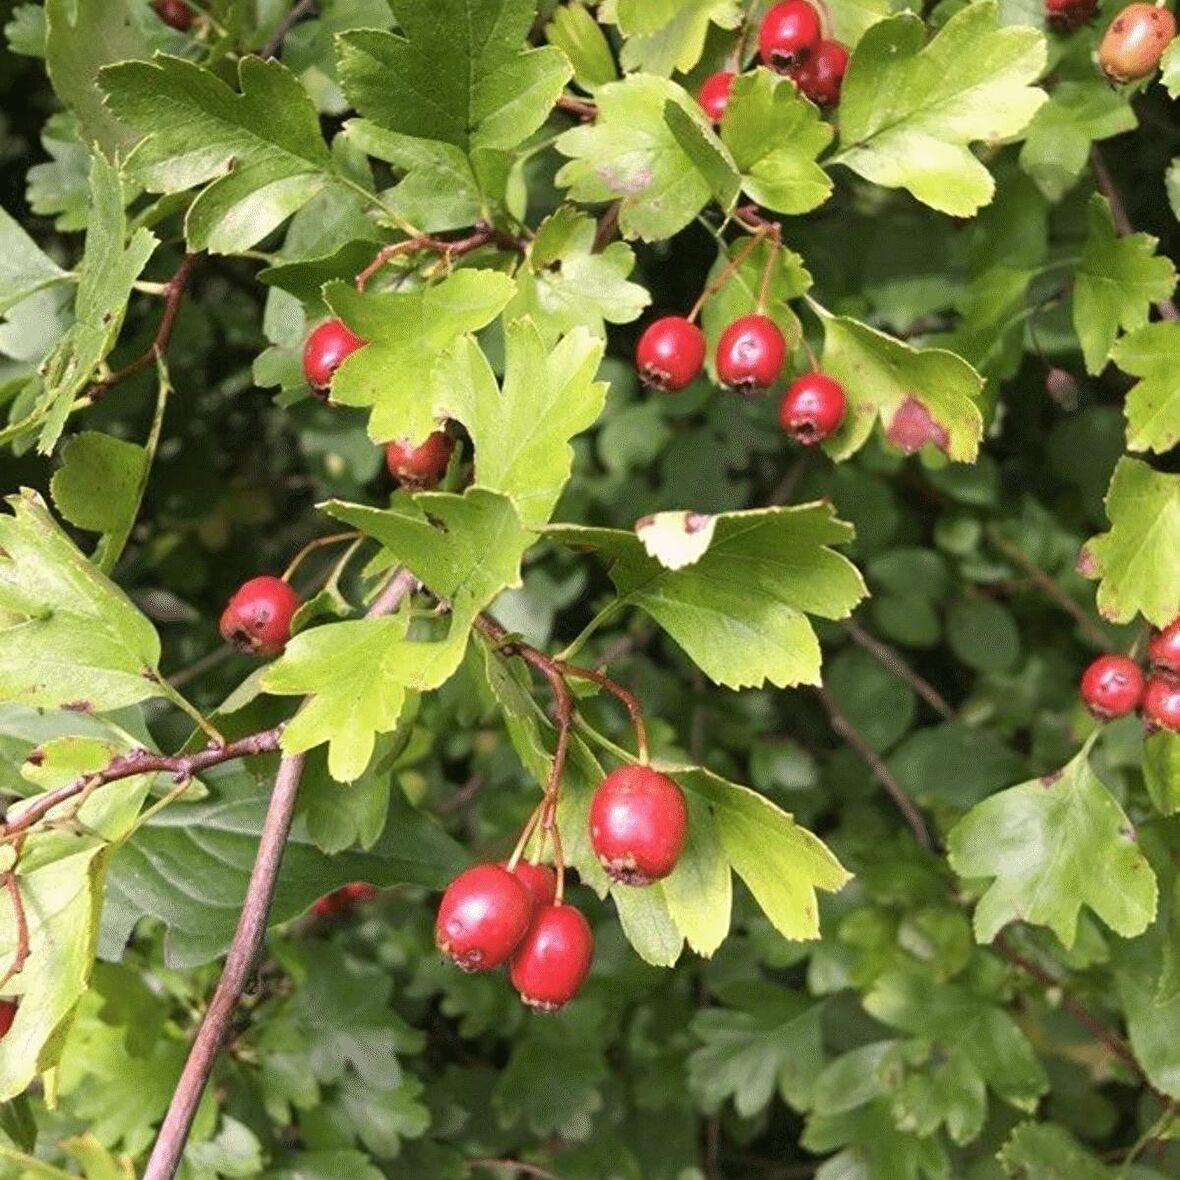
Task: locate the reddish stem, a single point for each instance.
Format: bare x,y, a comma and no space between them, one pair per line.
629,700
21,956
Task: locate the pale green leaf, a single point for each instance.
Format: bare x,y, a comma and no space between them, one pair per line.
1152,405
24,267
699,893
1045,1151
1161,770
26,31
1170,68
662,36
580,37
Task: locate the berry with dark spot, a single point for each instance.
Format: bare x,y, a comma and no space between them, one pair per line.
638,825
1161,704
554,959
790,33
484,914
1135,42
750,354
821,76
175,13
1163,653
812,408
671,354
1112,686
420,466
257,619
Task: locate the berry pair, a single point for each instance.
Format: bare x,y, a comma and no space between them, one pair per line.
750,354
491,913
1114,686
791,41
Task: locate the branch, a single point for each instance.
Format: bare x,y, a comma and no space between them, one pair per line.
876,764
1122,223
275,41
482,235
21,955
173,297
579,108
894,662
628,699
243,952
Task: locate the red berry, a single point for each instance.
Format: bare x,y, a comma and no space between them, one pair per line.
326,349
714,94
1135,42
549,968
175,13
342,900
484,914
638,823
420,466
258,617
539,880
7,1016
1112,687
671,354
812,407
1163,653
1064,15
790,33
750,354
822,74
1161,704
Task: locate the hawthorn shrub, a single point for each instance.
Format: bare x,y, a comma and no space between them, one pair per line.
669,506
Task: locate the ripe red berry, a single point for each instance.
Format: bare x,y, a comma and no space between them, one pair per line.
1112,686
790,33
258,617
638,824
1161,704
341,900
553,960
750,354
671,354
714,94
821,76
812,407
484,914
1163,653
175,13
420,466
1064,15
7,1016
326,349
539,880
1135,42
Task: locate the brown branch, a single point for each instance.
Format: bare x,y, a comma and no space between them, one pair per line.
629,700
586,111
275,41
490,1165
876,764
482,235
1013,553
21,955
1122,223
247,941
894,662
173,297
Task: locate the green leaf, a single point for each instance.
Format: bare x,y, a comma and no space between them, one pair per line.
1153,1022
922,396
579,36
493,93
566,283
24,268
740,612
85,36
211,847
97,488
1053,845
522,433
259,154
68,636
909,109
631,153
406,334
874,1145
676,539
662,36
774,135
1117,281
1152,405
110,265
1137,562
1045,1151
1161,770
26,31
1170,69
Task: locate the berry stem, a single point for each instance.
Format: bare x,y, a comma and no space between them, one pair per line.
730,269
629,701
21,954
313,545
526,833
484,233
812,359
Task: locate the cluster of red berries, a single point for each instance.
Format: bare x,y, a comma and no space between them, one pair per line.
791,42
750,356
346,898
175,13
1114,685
513,912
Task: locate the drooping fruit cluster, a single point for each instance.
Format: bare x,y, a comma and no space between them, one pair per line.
1135,41
345,899
791,42
175,13
1114,686
418,467
257,619
638,825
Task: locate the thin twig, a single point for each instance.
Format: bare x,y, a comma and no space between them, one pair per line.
490,1165
482,235
629,700
876,764
199,667
21,955
580,108
172,301
247,942
275,42
894,662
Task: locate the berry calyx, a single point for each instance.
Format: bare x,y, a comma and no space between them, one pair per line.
420,466
326,349
714,94
821,76
789,34
1064,15
347,897
1163,652
671,354
1161,704
813,406
539,880
1112,686
175,13
482,918
553,960
750,354
638,825
7,1016
257,619
1133,45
